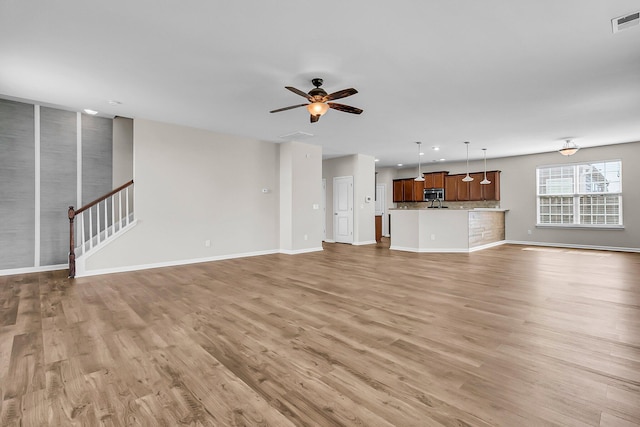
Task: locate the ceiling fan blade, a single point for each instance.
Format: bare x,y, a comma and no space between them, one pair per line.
340,94
345,108
314,118
288,108
299,92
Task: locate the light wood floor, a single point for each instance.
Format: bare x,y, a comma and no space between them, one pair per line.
353,335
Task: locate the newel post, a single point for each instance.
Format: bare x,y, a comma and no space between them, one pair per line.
72,253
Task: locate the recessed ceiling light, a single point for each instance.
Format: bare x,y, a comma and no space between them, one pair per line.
92,112
376,160
435,148
399,164
422,154
113,102
441,160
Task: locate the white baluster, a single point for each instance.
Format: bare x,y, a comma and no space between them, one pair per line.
120,210
127,204
82,232
90,228
98,223
106,219
113,214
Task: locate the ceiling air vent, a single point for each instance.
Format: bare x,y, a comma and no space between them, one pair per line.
296,136
625,22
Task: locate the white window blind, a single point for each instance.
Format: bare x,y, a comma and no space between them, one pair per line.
581,194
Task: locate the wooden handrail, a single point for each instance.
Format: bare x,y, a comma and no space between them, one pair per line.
71,213
99,199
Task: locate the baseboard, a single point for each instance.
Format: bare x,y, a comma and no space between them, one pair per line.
572,246
129,268
487,246
366,242
27,270
329,241
300,251
430,250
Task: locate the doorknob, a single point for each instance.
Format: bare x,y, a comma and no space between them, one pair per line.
336,213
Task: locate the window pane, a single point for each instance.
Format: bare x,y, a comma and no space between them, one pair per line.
599,209
556,180
556,210
599,177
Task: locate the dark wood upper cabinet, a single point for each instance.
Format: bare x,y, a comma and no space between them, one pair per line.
434,179
475,188
463,189
398,191
455,189
451,188
492,191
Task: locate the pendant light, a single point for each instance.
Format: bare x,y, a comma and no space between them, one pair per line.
485,181
569,148
467,178
419,178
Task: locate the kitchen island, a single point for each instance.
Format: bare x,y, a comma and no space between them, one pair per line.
446,230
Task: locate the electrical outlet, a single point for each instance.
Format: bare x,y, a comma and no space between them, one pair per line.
207,243
306,237
529,232
433,237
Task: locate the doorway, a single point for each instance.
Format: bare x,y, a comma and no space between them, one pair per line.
381,207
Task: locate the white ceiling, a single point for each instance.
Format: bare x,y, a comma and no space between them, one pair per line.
514,77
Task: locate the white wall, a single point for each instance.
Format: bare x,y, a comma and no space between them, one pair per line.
362,168
193,185
300,197
122,151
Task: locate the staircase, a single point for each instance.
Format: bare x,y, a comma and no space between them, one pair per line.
96,223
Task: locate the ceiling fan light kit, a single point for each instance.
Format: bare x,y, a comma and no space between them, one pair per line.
319,101
569,148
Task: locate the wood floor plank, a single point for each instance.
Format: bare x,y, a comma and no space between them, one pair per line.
352,335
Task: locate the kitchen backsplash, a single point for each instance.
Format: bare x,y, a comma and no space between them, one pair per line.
450,205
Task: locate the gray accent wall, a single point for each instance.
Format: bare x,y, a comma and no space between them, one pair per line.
20,215
97,157
17,189
58,182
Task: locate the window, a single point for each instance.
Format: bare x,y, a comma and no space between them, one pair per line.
584,194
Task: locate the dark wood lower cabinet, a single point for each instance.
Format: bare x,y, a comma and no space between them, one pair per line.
378,228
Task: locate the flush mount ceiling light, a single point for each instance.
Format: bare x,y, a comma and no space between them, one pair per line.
419,178
569,148
91,112
485,181
467,178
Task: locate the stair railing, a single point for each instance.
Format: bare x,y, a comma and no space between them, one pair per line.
111,221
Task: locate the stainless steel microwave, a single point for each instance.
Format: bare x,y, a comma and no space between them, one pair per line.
433,194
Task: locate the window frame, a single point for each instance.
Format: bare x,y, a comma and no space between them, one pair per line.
576,197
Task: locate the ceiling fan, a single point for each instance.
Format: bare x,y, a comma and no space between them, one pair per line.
318,101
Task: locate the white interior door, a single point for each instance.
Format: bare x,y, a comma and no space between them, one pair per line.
324,209
381,207
343,209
